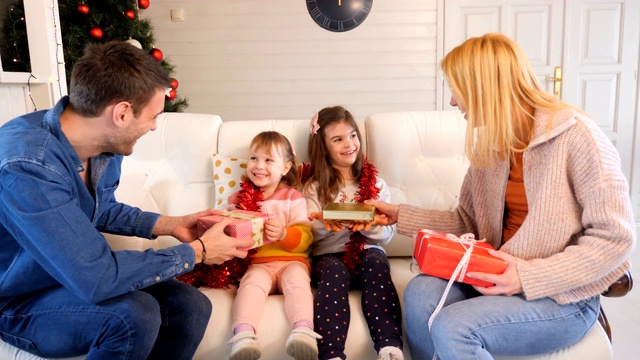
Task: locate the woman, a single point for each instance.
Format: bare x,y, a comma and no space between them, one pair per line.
545,188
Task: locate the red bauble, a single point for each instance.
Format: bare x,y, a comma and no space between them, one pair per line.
156,53
130,14
83,9
174,83
172,95
95,32
143,4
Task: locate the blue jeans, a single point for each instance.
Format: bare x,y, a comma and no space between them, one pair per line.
473,326
163,321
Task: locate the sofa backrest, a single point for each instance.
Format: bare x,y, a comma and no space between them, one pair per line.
420,155
235,136
170,171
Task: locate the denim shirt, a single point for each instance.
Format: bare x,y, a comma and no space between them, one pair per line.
51,224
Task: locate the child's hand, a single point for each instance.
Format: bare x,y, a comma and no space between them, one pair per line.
329,225
360,225
275,229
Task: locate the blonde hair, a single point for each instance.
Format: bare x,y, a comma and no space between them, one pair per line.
273,141
495,83
329,179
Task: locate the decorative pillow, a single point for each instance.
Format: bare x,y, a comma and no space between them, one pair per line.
227,172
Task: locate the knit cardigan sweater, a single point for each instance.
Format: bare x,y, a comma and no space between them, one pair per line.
579,232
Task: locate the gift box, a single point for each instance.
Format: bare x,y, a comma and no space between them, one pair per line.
438,254
244,225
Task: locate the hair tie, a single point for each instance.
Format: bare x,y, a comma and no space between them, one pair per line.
293,150
314,125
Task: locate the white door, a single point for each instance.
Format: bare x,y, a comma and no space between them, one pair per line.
537,26
594,42
600,67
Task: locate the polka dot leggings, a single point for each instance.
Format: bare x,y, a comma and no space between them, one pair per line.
380,302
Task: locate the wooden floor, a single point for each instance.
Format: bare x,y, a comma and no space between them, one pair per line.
624,316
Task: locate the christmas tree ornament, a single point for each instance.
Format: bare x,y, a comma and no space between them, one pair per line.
174,83
96,33
134,42
156,53
83,9
130,14
172,95
143,4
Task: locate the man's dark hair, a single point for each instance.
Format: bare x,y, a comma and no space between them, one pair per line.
113,72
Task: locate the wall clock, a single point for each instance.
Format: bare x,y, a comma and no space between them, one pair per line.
339,15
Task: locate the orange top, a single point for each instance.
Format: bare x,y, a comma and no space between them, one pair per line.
516,207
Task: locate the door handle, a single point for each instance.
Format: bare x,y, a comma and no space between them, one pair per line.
557,81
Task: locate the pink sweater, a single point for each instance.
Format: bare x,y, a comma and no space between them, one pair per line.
291,207
579,233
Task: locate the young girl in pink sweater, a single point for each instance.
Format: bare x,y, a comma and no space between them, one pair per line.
282,265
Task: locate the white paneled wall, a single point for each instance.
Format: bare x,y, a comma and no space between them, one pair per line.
12,101
257,59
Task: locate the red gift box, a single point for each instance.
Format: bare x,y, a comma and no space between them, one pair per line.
244,225
438,254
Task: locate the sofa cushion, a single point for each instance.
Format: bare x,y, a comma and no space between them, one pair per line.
227,173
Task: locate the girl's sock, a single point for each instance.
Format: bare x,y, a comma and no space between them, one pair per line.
243,327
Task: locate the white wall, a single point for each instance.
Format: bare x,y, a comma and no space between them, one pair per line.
257,59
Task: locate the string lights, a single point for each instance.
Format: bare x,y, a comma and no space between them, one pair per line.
16,20
58,47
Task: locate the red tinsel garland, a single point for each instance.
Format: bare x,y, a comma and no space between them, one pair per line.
305,170
354,249
229,272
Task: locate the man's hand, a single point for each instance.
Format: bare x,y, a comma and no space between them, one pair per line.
183,228
220,246
386,213
507,283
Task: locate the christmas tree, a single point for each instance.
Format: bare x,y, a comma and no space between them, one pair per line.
83,22
13,42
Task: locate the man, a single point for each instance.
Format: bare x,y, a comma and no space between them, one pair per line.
63,292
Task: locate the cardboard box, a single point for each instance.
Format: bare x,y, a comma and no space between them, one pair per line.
348,211
244,225
439,255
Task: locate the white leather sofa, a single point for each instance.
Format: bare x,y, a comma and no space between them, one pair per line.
419,154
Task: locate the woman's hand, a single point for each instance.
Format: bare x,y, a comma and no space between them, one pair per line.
386,213
507,283
275,230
